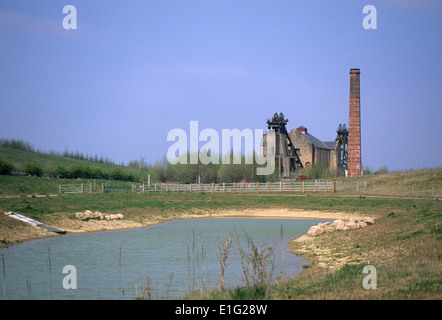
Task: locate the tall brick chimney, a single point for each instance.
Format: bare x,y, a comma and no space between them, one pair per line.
354,165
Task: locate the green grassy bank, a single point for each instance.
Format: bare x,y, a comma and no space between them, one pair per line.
404,244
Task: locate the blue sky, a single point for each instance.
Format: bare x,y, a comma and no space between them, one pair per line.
133,70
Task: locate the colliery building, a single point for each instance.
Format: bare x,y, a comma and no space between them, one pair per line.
299,149
312,150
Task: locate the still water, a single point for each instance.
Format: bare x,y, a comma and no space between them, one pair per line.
177,256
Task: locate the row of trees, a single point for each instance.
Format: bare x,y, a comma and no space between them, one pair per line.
75,171
17,144
136,170
163,171
30,168
93,172
81,156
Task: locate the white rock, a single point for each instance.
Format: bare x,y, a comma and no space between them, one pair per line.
341,226
367,220
314,231
362,224
352,225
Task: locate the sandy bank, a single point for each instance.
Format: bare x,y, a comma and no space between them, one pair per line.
282,213
22,232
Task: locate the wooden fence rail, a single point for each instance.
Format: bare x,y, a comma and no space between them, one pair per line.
247,187
77,188
261,187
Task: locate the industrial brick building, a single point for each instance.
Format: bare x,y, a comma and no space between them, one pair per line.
299,149
312,150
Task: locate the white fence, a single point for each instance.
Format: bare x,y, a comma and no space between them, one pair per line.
247,187
255,187
77,188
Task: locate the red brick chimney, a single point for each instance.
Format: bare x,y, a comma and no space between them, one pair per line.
302,129
354,126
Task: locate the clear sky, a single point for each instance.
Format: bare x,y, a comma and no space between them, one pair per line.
135,69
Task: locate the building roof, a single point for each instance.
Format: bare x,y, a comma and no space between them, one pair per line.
318,143
330,144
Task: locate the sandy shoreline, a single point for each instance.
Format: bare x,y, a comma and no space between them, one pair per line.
76,226
282,213
79,227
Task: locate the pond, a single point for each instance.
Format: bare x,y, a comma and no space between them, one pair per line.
176,257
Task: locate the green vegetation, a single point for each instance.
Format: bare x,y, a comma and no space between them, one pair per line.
6,167
25,160
318,171
33,169
16,144
186,172
403,244
52,165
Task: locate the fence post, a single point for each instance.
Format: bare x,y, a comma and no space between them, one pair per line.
325,186
302,186
201,187
155,187
292,185
247,188
82,188
280,186
148,180
315,185
257,187
59,188
268,183
224,187
234,187
213,187
334,186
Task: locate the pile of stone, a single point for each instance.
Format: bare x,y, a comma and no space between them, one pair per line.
98,215
339,225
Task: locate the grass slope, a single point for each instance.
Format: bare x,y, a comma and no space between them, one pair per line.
47,161
404,244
